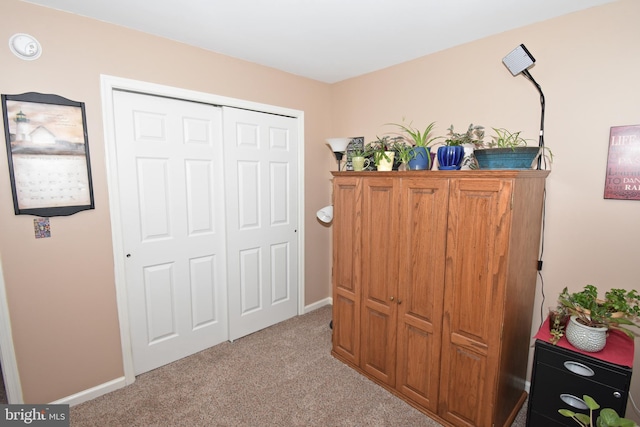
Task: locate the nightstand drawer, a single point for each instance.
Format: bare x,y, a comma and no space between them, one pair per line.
579,365
538,420
560,377
560,385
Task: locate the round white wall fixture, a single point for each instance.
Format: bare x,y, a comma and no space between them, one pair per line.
25,46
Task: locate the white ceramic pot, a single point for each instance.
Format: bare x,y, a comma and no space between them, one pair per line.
384,164
585,338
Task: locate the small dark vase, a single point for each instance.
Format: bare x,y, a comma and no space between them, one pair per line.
397,161
421,159
450,157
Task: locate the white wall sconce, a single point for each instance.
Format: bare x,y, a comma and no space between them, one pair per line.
325,214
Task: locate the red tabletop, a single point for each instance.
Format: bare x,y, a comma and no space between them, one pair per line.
619,348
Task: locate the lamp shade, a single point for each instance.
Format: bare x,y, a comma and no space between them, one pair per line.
518,60
338,144
325,214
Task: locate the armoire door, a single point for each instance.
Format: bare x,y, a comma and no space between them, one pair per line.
422,238
479,227
380,210
347,267
261,180
172,208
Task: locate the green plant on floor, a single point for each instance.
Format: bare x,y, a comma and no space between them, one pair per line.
607,418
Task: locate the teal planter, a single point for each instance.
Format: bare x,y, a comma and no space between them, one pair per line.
506,158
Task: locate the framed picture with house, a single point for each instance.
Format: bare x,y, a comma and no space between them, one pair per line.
48,154
622,180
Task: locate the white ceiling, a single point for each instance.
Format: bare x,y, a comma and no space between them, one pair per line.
325,40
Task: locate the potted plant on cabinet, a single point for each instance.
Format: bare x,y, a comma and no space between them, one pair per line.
420,155
607,418
405,153
360,158
383,152
505,150
452,153
591,317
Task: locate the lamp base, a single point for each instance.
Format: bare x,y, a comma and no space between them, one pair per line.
339,155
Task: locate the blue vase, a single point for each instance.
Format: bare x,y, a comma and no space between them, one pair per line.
450,157
420,160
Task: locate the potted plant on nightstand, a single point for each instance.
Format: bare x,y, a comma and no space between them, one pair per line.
452,153
591,317
419,157
505,150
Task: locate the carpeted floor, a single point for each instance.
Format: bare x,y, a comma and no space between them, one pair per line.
281,376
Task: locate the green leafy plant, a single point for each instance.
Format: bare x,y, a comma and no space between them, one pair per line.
404,151
505,139
607,418
474,135
381,146
416,136
557,324
360,152
618,309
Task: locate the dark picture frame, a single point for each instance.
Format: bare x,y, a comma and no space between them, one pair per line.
48,154
357,143
622,180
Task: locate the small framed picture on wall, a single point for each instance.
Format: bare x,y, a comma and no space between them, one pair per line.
622,180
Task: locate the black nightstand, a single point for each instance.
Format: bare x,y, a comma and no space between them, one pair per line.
560,373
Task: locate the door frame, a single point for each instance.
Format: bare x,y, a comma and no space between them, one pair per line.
12,384
109,84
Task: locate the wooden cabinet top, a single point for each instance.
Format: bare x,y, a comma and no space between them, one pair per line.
494,173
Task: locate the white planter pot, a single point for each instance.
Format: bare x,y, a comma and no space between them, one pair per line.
384,164
585,338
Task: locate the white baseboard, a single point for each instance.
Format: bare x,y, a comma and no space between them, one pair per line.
92,393
316,305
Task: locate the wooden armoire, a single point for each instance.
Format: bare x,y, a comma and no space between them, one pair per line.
434,277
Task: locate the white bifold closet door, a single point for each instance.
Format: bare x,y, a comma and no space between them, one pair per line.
209,225
261,181
170,184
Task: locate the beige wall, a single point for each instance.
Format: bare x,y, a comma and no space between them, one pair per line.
587,65
61,290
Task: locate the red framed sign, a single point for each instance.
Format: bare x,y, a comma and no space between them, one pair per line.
622,179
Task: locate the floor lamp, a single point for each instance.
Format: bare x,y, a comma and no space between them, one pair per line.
338,146
518,61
